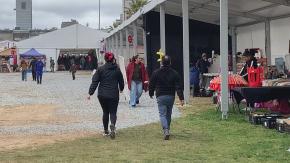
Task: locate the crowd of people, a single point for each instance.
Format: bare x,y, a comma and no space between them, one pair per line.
36,66
88,62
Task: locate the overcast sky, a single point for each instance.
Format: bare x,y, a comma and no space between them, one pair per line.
50,13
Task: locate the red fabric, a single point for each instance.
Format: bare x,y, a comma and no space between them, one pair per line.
282,106
233,81
144,75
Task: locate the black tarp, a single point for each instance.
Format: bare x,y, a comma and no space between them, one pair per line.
204,37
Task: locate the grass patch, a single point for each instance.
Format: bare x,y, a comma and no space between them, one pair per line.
199,136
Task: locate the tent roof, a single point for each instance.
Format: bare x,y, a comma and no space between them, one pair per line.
32,52
241,12
71,37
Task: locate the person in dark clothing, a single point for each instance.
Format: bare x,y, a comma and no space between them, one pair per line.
251,61
203,64
33,70
39,70
165,82
194,80
73,70
109,81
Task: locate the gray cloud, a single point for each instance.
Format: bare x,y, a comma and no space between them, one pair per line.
51,13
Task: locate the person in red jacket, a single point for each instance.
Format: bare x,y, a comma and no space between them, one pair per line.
137,79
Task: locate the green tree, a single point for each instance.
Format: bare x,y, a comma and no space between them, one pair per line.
135,5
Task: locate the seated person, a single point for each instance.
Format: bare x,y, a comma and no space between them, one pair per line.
251,61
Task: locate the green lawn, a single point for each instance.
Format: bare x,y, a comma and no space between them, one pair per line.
199,136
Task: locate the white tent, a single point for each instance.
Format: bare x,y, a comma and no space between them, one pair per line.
72,37
268,21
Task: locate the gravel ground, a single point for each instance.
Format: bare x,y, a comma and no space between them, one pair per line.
59,89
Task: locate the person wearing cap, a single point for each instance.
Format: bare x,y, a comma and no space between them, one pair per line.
165,82
203,64
109,81
251,61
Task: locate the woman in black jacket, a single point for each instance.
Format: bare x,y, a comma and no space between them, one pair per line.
110,81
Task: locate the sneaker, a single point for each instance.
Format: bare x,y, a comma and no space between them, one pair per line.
113,133
106,133
137,101
166,134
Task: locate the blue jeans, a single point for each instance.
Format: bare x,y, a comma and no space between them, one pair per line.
24,75
39,77
165,105
136,92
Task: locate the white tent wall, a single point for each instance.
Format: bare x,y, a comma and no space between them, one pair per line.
254,37
280,36
251,37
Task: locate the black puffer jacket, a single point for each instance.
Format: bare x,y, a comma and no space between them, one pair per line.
165,81
110,81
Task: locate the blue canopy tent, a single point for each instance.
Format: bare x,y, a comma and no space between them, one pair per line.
32,53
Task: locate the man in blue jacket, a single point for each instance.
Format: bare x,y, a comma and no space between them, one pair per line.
39,70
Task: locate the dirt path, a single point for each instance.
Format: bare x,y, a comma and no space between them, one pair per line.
29,115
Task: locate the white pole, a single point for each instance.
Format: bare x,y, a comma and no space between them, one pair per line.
121,44
162,28
99,14
145,46
234,48
186,50
224,57
135,38
268,41
127,44
117,46
112,44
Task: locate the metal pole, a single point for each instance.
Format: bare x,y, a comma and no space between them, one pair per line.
186,50
145,46
234,49
127,44
135,40
99,14
117,44
121,44
268,41
111,44
224,57
162,28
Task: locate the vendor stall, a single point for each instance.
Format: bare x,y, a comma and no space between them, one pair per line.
8,60
32,53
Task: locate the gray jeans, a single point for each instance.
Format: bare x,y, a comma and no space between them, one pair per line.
165,105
